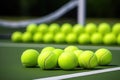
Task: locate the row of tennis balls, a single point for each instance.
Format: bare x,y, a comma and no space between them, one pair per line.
89,28
67,59
84,38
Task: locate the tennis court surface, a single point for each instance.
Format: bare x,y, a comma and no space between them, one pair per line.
12,69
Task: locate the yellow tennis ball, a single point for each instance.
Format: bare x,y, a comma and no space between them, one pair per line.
37,37
27,37
48,38
32,28
78,29
90,28
104,28
48,48
78,53
116,29
29,58
43,28
59,37
109,39
54,28
104,56
84,38
58,52
16,36
96,38
67,61
66,28
118,39
71,48
47,60
88,60
71,38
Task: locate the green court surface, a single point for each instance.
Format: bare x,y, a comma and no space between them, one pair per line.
12,69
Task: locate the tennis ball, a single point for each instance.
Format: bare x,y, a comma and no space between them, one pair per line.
84,38
27,37
109,39
96,38
66,28
43,28
16,36
88,60
48,48
71,38
104,56
54,28
104,28
59,37
78,53
78,29
116,29
32,28
47,60
58,52
90,28
37,37
118,39
67,61
48,38
29,58
71,48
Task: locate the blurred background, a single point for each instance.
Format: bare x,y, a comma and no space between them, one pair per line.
97,11
37,8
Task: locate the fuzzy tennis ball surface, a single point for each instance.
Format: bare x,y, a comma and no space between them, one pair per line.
109,39
88,60
104,28
47,49
27,37
29,58
67,61
70,48
47,60
118,39
96,38
116,29
48,38
71,38
32,28
90,28
104,56
78,29
43,28
84,38
78,53
16,36
54,28
66,28
59,37
37,37
58,52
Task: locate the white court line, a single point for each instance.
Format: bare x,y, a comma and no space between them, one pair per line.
79,74
7,44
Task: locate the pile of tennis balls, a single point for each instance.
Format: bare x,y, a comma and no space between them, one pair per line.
69,58
91,33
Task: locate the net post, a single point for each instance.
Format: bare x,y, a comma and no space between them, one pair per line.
81,12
